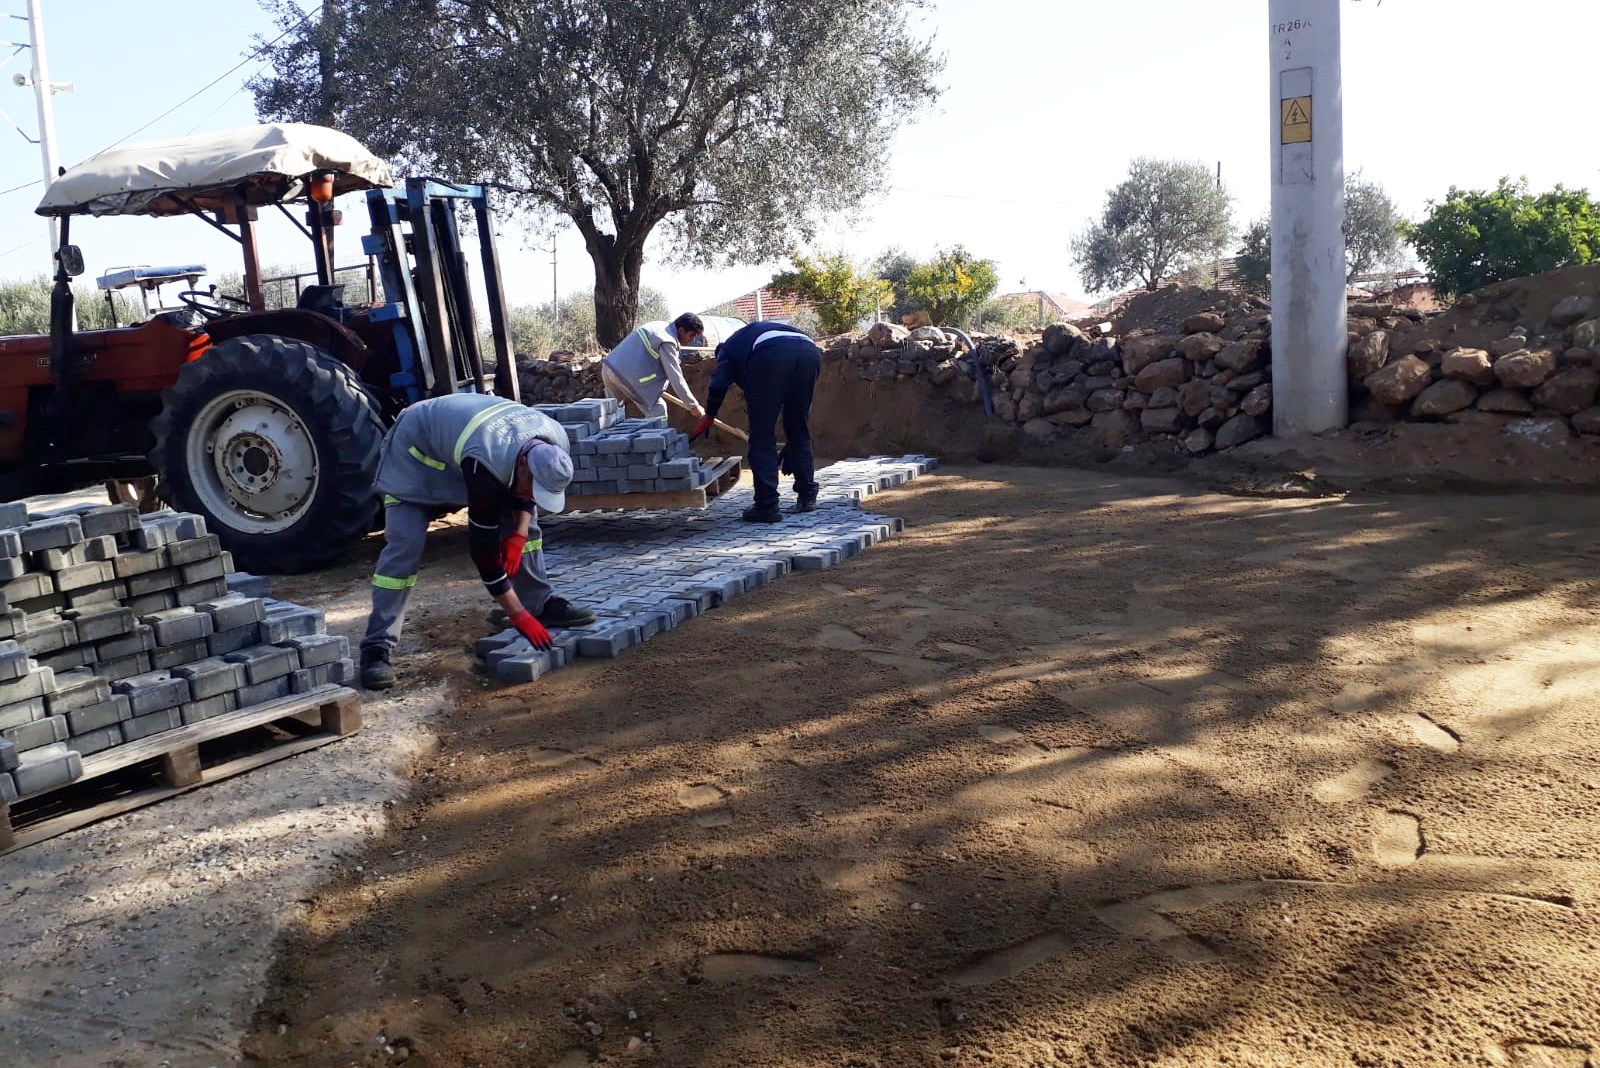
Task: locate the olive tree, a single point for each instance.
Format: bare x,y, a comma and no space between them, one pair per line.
1164,217
729,127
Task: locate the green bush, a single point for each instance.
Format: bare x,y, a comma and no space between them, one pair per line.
1473,238
569,325
25,307
842,293
952,286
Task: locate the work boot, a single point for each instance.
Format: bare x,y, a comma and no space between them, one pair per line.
560,612
807,502
376,674
762,513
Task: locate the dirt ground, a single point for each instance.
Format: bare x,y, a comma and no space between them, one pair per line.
1079,770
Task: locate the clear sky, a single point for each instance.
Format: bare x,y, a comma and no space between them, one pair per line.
1046,101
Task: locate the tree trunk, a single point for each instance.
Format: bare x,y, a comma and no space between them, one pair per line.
616,288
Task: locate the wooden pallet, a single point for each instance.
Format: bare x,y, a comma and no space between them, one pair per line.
332,712
725,473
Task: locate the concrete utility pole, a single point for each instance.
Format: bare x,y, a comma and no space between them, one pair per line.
1309,390
44,90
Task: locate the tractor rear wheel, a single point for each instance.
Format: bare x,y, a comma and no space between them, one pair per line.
276,443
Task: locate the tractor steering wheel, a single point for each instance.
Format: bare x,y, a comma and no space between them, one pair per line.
207,304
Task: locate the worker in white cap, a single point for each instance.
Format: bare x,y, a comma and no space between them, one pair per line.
503,461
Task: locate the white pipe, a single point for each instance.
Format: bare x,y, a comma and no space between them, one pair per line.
43,91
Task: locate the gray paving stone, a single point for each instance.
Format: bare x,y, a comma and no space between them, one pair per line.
152,691
264,662
249,585
113,709
262,692
285,621
76,689
36,683
209,707
123,667
145,562
51,533
13,661
8,755
167,578
19,712
176,625
172,656
159,601
97,740
107,593
231,641
27,588
12,568
318,649
202,571
68,659
144,726
141,639
37,733
194,550
46,768
212,676
13,514
200,592
233,610
101,622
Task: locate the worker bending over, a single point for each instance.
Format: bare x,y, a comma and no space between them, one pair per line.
639,369
776,365
503,461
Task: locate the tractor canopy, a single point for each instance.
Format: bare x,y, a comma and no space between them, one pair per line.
267,164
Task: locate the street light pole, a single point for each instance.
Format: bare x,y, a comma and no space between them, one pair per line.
1310,393
44,90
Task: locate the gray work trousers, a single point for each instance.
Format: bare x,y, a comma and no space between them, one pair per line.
405,531
618,389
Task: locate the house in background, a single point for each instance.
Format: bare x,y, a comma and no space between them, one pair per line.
1049,307
763,303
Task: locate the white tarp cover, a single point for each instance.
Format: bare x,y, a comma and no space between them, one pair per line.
206,173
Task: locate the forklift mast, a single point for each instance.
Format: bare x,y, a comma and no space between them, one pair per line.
428,301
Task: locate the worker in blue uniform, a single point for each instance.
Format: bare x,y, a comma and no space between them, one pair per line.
776,365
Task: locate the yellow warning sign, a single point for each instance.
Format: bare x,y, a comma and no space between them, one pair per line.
1296,121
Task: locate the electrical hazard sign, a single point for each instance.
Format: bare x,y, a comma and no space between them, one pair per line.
1296,128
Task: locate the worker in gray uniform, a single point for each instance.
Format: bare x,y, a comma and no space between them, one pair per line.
645,362
501,460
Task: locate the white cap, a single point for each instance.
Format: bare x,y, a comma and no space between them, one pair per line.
551,469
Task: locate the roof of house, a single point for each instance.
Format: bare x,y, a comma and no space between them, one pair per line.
1057,304
775,305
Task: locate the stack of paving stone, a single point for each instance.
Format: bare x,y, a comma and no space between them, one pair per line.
611,454
115,627
646,571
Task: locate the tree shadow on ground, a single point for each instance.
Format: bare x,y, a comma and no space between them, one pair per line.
1078,770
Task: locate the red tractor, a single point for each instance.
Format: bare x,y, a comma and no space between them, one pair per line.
267,422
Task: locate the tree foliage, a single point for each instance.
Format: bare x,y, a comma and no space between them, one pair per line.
1476,237
1372,239
731,126
540,329
952,286
894,265
841,293
25,306
1165,216
1254,258
1373,236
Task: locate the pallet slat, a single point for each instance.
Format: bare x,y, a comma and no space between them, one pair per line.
337,709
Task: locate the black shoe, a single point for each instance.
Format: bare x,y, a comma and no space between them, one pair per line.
376,674
559,612
762,513
806,503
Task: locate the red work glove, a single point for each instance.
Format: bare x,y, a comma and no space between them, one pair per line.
511,552
702,428
531,629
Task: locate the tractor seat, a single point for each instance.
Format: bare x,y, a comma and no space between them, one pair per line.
325,299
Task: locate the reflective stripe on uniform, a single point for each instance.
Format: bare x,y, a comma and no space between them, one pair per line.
478,420
419,455
389,499
772,335
389,582
648,378
644,336
533,546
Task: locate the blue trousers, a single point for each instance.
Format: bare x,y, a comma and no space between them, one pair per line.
779,381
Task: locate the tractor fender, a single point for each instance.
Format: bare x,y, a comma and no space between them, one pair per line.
314,328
